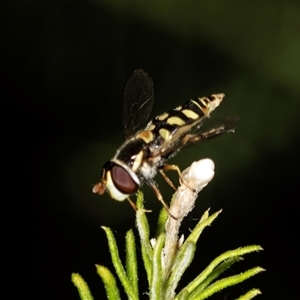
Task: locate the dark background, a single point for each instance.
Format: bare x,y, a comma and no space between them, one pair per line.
63,70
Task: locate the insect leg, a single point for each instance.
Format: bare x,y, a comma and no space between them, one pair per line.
167,179
159,196
132,204
168,168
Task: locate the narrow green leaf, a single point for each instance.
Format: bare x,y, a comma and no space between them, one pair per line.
140,200
205,215
110,284
181,263
82,287
161,223
209,269
226,282
215,273
249,295
184,295
117,263
204,222
194,235
143,226
147,251
157,275
131,261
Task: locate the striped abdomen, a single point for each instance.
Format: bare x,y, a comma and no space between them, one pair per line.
178,121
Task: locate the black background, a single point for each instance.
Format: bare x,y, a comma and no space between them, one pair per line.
63,70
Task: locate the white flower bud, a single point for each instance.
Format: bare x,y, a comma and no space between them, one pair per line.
199,174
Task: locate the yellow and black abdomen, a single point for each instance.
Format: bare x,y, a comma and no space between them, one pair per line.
170,126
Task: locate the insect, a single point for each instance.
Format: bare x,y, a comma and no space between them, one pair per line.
145,151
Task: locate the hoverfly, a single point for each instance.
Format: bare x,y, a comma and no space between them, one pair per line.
145,151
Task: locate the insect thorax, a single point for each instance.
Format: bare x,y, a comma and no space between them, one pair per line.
136,155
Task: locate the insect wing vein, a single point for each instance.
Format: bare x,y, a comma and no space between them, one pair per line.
138,102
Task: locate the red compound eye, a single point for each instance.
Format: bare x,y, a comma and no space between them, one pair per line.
123,181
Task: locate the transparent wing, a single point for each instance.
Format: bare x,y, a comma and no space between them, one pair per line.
208,128
138,102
